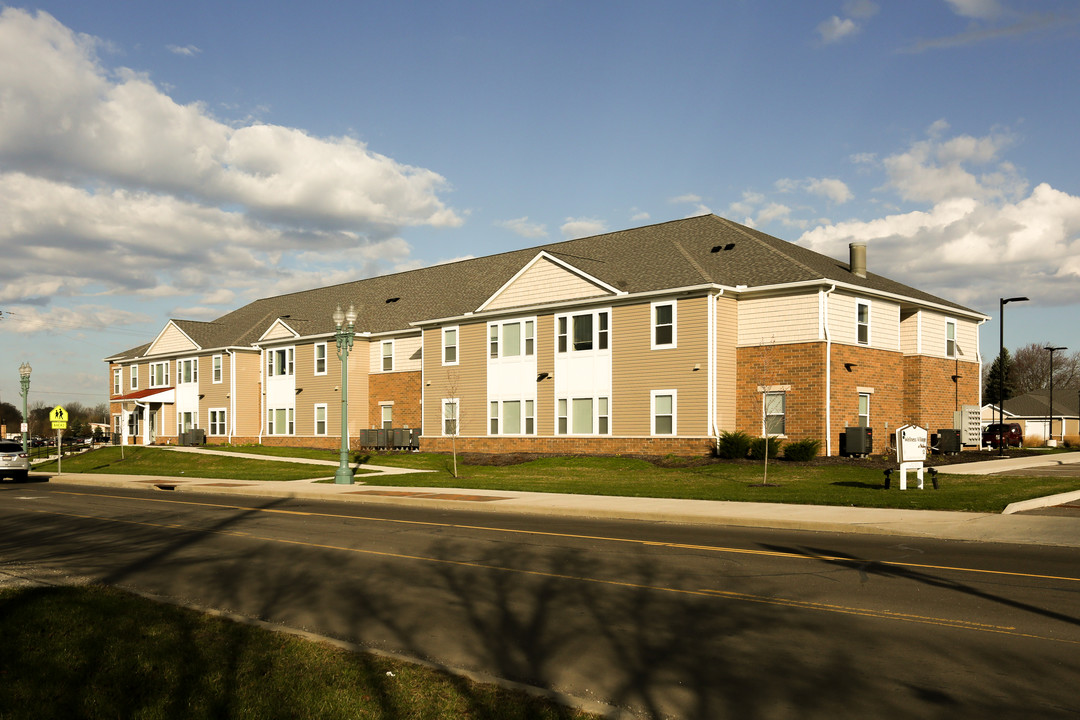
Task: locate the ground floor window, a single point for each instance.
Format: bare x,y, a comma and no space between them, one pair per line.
512,417
864,409
663,412
387,412
775,411
217,422
320,419
450,417
279,421
583,416
186,421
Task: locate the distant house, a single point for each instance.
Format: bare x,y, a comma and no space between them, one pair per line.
650,340
1032,410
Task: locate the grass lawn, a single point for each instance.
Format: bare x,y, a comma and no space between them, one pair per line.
159,462
97,652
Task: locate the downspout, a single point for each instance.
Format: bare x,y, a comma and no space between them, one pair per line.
711,363
232,395
828,369
262,392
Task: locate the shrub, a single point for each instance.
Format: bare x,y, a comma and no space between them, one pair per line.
1034,441
1071,441
802,450
733,445
757,448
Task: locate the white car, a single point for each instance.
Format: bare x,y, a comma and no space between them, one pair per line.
14,461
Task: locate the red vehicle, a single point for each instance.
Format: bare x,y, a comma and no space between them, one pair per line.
1008,434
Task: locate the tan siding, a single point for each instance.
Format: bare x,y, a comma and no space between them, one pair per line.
318,389
909,332
171,341
884,321
545,282
359,417
279,332
781,319
467,381
214,395
637,370
545,363
727,333
248,394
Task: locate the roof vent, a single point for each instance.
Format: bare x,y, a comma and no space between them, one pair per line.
392,300
718,248
857,258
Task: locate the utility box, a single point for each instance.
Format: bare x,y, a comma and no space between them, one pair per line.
858,440
969,420
948,441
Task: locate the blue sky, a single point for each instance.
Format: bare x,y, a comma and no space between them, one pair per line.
177,160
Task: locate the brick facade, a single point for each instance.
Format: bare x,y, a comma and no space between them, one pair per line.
572,445
403,390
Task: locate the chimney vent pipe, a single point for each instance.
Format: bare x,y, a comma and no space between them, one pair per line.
857,252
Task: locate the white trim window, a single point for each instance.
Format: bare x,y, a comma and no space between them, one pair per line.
583,416
950,338
583,332
512,417
450,345
387,356
186,421
159,374
187,370
216,369
664,327
386,413
774,412
512,339
117,380
280,421
320,419
664,408
451,408
862,322
218,424
280,361
864,409
135,377
320,358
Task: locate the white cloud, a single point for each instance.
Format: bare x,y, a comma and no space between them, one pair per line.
688,198
835,29
832,189
582,227
28,319
978,9
186,50
523,227
639,216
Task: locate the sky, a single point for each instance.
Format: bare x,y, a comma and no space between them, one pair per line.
178,160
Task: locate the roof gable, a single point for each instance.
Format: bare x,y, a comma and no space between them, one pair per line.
279,330
172,340
547,279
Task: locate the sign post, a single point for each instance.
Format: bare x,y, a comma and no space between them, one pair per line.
911,452
59,417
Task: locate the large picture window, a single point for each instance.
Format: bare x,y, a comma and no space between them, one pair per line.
583,416
512,339
187,371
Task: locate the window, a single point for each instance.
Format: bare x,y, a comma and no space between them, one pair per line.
775,407
603,420
159,374
505,417
512,339
562,420
186,421
864,409
530,417
663,316
493,417
187,371
562,334
320,358
215,369
530,343
579,333
135,377
320,419
280,362
387,355
663,412
602,332
450,417
387,413
450,346
582,416
116,381
279,421
583,335
950,338
862,322
217,422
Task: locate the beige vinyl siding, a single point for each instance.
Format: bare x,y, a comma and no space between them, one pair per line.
359,388
279,332
170,341
884,321
214,395
545,282
545,363
466,381
934,336
637,369
315,389
727,333
248,394
909,332
407,353
778,319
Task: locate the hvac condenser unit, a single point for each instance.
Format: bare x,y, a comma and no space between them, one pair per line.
858,440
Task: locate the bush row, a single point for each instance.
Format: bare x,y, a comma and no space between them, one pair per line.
740,446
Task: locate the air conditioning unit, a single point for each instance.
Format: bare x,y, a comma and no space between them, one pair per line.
858,440
948,441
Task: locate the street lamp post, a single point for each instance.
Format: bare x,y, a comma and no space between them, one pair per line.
24,383
1001,370
345,322
1050,425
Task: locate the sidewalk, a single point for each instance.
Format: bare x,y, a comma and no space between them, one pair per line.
975,527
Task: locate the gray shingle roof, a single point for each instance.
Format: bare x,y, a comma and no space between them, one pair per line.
682,253
1036,404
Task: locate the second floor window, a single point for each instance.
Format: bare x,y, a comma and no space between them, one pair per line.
587,331
950,339
388,355
116,387
450,346
187,371
215,370
159,374
320,358
663,325
280,362
862,322
135,377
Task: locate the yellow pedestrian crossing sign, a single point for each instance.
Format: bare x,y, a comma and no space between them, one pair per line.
59,417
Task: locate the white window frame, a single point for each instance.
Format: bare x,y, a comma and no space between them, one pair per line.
655,324
600,339
859,325
135,377
117,381
160,369
194,414
653,395
765,414
193,364
217,369
950,339
325,419
219,426
497,343
290,421
383,408
384,356
526,417
455,417
316,359
288,362
564,415
864,418
456,345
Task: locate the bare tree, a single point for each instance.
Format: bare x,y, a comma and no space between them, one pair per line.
1031,369
452,414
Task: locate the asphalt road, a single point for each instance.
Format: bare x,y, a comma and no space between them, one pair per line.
695,622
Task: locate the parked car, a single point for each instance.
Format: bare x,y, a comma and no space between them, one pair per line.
14,462
1008,433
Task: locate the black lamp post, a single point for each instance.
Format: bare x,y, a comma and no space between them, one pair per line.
1001,370
1050,425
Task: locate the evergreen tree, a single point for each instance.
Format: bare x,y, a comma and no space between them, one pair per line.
994,391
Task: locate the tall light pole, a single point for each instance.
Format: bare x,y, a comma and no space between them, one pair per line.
1001,370
24,383
345,322
1050,425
